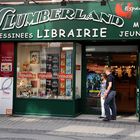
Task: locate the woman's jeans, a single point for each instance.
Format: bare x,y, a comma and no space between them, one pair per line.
103,108
110,103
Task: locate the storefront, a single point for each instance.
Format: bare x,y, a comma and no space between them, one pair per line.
45,78
55,46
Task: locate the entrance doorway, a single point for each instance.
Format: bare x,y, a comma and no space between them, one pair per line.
123,63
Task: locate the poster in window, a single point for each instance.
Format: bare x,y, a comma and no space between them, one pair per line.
52,66
34,57
6,60
6,67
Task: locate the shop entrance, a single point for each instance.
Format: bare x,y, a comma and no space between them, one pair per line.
124,68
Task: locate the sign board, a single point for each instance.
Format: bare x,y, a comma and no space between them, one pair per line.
6,59
116,20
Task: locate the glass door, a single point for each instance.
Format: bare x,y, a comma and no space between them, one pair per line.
95,66
123,61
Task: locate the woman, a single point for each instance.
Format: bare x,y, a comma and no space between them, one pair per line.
101,94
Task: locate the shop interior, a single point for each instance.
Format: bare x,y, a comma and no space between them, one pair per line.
123,67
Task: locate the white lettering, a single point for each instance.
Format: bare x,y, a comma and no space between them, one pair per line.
121,34
103,32
86,33
46,33
136,25
131,9
67,13
55,14
4,12
16,35
54,33
9,24
10,19
71,33
62,33
38,34
79,33
95,32
129,34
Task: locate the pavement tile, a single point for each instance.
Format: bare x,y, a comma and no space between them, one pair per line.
90,129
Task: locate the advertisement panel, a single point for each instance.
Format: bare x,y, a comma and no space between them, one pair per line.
7,60
6,95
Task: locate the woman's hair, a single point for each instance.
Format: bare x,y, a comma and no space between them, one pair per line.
104,75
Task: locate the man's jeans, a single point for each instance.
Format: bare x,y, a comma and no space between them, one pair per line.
110,103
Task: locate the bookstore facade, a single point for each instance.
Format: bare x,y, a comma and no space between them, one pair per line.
52,56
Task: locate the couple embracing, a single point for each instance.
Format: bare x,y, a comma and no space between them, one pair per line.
107,95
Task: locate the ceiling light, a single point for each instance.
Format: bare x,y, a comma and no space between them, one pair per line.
67,48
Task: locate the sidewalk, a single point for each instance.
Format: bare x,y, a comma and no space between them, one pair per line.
120,119
83,127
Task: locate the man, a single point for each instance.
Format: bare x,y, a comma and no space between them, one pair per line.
109,96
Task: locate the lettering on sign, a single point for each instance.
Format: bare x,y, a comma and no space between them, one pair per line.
10,20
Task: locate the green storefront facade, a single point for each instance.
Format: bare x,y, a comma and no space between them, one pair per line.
62,32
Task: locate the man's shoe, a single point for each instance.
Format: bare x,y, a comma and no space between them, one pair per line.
113,117
101,117
106,119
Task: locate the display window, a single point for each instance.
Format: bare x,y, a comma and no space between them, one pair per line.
44,70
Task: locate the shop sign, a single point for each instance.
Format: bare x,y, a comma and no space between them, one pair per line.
75,21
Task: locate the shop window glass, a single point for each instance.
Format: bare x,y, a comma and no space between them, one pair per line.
44,70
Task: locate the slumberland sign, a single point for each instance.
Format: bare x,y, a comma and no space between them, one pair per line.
75,21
